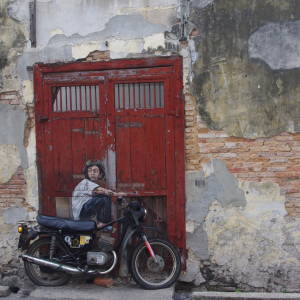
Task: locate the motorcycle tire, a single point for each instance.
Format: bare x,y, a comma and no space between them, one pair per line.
153,276
42,275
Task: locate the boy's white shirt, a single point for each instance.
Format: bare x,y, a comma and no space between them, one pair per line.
83,192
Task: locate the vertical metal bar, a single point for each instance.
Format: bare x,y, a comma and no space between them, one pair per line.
90,88
154,91
119,98
80,98
70,89
123,95
144,96
85,97
133,89
60,99
32,11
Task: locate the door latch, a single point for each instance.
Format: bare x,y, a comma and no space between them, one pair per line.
44,118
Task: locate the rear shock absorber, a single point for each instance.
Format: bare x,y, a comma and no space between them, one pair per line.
52,246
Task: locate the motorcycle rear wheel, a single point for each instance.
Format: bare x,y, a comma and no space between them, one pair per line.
42,275
153,276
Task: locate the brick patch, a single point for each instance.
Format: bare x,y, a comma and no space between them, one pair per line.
274,158
13,192
12,98
98,56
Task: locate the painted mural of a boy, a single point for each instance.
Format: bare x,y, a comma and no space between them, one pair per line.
89,199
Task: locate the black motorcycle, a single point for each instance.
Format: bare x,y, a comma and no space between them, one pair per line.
68,247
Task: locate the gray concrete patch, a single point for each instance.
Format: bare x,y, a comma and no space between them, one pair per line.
199,4
14,214
277,44
12,122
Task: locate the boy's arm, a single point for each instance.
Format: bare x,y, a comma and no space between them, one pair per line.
101,190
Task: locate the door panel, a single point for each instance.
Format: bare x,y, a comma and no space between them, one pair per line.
140,152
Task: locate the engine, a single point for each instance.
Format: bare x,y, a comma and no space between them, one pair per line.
98,258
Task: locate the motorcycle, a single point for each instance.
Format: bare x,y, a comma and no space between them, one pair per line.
67,247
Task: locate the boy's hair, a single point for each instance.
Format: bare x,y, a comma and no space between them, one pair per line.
94,162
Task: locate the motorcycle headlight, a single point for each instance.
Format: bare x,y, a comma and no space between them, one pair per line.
143,214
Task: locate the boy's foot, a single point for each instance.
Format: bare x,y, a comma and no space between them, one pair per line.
100,224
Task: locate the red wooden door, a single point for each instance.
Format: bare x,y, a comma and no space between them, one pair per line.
129,114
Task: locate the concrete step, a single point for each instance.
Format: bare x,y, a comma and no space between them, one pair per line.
235,296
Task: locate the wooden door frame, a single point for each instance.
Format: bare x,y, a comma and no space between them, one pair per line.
175,120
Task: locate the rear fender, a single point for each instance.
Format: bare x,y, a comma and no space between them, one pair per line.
25,239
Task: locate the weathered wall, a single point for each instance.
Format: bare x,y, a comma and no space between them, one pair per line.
245,78
241,115
241,81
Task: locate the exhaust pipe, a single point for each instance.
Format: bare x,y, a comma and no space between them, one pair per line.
64,268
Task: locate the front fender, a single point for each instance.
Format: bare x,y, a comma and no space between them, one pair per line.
25,239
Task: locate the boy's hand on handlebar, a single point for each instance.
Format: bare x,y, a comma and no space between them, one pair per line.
120,194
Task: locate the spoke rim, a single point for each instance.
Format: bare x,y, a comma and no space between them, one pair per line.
143,252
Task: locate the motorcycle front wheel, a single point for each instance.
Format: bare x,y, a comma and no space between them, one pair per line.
42,275
150,275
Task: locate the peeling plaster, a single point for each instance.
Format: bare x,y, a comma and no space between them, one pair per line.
13,120
238,229
200,4
247,243
154,41
27,92
9,161
56,31
277,44
31,176
124,34
202,188
14,214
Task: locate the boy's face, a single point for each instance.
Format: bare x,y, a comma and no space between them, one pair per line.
94,173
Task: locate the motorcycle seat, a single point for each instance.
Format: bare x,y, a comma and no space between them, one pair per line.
66,224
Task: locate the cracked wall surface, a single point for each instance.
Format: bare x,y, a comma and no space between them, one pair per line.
247,244
246,77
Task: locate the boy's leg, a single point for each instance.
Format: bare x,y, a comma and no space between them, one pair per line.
99,205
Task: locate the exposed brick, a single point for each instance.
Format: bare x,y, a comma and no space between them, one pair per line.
259,149
190,119
219,150
241,149
190,113
272,169
280,149
292,190
17,182
253,144
271,144
283,138
239,170
285,154
236,139
284,174
259,159
189,124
